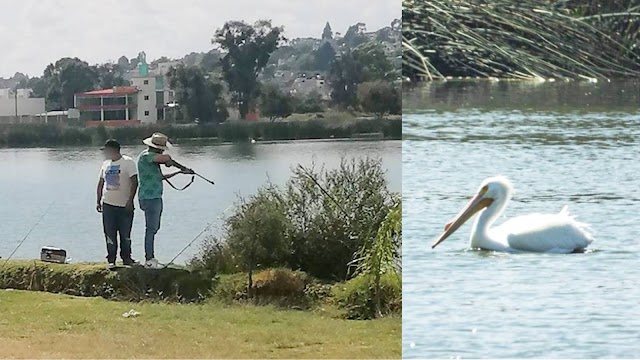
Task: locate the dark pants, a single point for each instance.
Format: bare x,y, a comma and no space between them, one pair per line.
116,219
152,213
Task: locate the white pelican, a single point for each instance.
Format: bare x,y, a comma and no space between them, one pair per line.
550,233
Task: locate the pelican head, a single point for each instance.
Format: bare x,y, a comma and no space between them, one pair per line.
495,189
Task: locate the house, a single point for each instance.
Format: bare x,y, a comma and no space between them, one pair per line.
109,107
305,85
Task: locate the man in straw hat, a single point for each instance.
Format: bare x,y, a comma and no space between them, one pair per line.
150,190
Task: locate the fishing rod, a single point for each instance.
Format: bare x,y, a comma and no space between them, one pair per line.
29,233
196,238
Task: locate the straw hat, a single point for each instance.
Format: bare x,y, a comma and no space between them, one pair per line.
158,141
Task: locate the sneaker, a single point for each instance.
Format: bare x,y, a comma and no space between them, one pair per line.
129,262
112,264
153,264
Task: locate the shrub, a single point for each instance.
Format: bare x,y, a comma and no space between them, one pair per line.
316,224
380,98
312,103
281,287
356,296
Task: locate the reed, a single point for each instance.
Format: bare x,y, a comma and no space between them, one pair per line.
529,39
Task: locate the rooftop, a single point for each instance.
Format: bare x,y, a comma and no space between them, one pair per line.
118,90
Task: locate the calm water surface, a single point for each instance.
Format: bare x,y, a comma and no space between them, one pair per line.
34,178
560,144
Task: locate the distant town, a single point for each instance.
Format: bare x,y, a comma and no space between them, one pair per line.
301,75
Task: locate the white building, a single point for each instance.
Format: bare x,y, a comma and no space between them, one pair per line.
12,103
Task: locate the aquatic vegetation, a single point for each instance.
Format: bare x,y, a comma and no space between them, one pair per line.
531,39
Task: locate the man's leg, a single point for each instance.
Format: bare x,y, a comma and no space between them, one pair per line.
124,228
152,212
110,226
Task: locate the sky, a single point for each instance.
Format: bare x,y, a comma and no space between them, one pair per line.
35,33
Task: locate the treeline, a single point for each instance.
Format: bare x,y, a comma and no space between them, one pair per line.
585,39
233,74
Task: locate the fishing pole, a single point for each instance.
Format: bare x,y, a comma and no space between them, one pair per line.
29,233
196,238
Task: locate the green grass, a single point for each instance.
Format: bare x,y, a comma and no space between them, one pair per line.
43,325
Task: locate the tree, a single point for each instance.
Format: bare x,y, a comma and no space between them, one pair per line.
355,35
396,25
345,75
324,57
210,61
275,103
65,78
123,62
327,34
376,64
312,103
248,51
110,75
379,98
199,97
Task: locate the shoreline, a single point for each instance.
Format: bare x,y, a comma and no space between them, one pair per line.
327,129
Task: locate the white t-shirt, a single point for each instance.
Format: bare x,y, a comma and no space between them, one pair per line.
117,180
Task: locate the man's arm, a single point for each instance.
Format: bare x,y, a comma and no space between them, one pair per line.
169,176
99,195
162,159
132,192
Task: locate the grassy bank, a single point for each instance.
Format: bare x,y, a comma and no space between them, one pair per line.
41,325
30,135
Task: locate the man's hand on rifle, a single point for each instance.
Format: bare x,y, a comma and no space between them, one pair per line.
188,171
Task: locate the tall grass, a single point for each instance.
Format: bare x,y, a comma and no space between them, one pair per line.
528,39
29,135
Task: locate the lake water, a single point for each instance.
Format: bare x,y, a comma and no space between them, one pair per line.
575,144
33,179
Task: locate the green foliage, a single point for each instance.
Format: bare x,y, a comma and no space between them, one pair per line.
380,98
324,57
327,34
135,283
65,78
278,286
356,296
302,227
345,75
258,233
312,103
110,75
333,125
353,67
199,97
248,51
275,103
355,35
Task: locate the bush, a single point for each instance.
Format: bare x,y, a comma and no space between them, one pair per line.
312,103
355,297
281,287
380,98
302,226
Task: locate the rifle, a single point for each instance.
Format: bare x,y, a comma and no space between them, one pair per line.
187,171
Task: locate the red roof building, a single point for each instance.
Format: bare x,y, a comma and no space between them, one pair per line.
110,107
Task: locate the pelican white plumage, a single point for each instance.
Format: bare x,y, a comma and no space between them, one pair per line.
545,233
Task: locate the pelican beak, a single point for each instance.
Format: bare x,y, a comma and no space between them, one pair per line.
476,204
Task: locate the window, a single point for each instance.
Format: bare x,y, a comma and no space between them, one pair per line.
146,82
146,97
146,113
